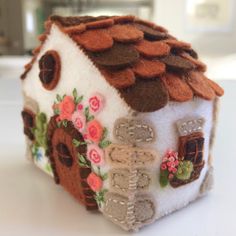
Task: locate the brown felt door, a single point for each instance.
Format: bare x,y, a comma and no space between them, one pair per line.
67,168
64,160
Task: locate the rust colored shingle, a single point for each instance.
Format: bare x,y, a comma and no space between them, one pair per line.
125,33
147,69
119,78
152,49
94,40
177,88
197,81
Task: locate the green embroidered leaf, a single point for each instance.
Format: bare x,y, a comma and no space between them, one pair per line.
104,143
79,99
164,178
82,161
75,94
99,197
78,143
64,122
59,98
87,115
48,168
104,176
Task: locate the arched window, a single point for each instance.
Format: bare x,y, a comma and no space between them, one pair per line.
50,68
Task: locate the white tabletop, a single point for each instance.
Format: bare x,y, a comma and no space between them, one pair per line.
31,204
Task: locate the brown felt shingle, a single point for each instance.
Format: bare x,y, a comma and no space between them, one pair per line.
146,95
177,44
147,69
197,81
177,88
119,78
200,65
151,33
94,40
125,33
123,19
178,63
152,49
120,55
218,90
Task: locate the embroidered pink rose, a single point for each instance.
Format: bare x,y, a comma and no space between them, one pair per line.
94,131
95,154
79,120
170,162
66,107
95,182
96,103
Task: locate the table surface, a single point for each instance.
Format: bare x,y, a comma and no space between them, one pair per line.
31,204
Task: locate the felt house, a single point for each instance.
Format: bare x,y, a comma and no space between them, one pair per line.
120,113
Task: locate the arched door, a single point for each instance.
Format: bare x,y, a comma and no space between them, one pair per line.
64,159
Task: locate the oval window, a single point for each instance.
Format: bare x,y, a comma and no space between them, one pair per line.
50,68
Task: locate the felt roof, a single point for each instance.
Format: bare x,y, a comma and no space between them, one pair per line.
147,65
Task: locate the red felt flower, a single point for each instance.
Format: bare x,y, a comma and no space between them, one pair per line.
95,182
94,130
66,108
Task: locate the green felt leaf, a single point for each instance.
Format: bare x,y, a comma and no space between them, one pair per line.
104,176
58,97
185,169
75,93
164,178
104,143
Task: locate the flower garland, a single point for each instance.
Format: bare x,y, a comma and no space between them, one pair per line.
172,167
71,108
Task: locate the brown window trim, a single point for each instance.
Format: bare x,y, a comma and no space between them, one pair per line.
56,69
182,142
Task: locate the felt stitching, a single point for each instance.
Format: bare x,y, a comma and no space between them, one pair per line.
187,126
124,156
132,176
131,128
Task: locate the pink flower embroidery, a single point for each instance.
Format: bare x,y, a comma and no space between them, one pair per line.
79,120
80,107
66,107
96,103
95,154
94,182
163,166
170,162
94,130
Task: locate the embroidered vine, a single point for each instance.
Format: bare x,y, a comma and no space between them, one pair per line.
72,108
171,167
39,146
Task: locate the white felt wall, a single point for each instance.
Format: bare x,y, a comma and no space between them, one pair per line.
77,71
169,199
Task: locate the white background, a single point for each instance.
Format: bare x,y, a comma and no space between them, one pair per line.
31,204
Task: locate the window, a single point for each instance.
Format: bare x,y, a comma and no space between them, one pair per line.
191,147
29,123
50,67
